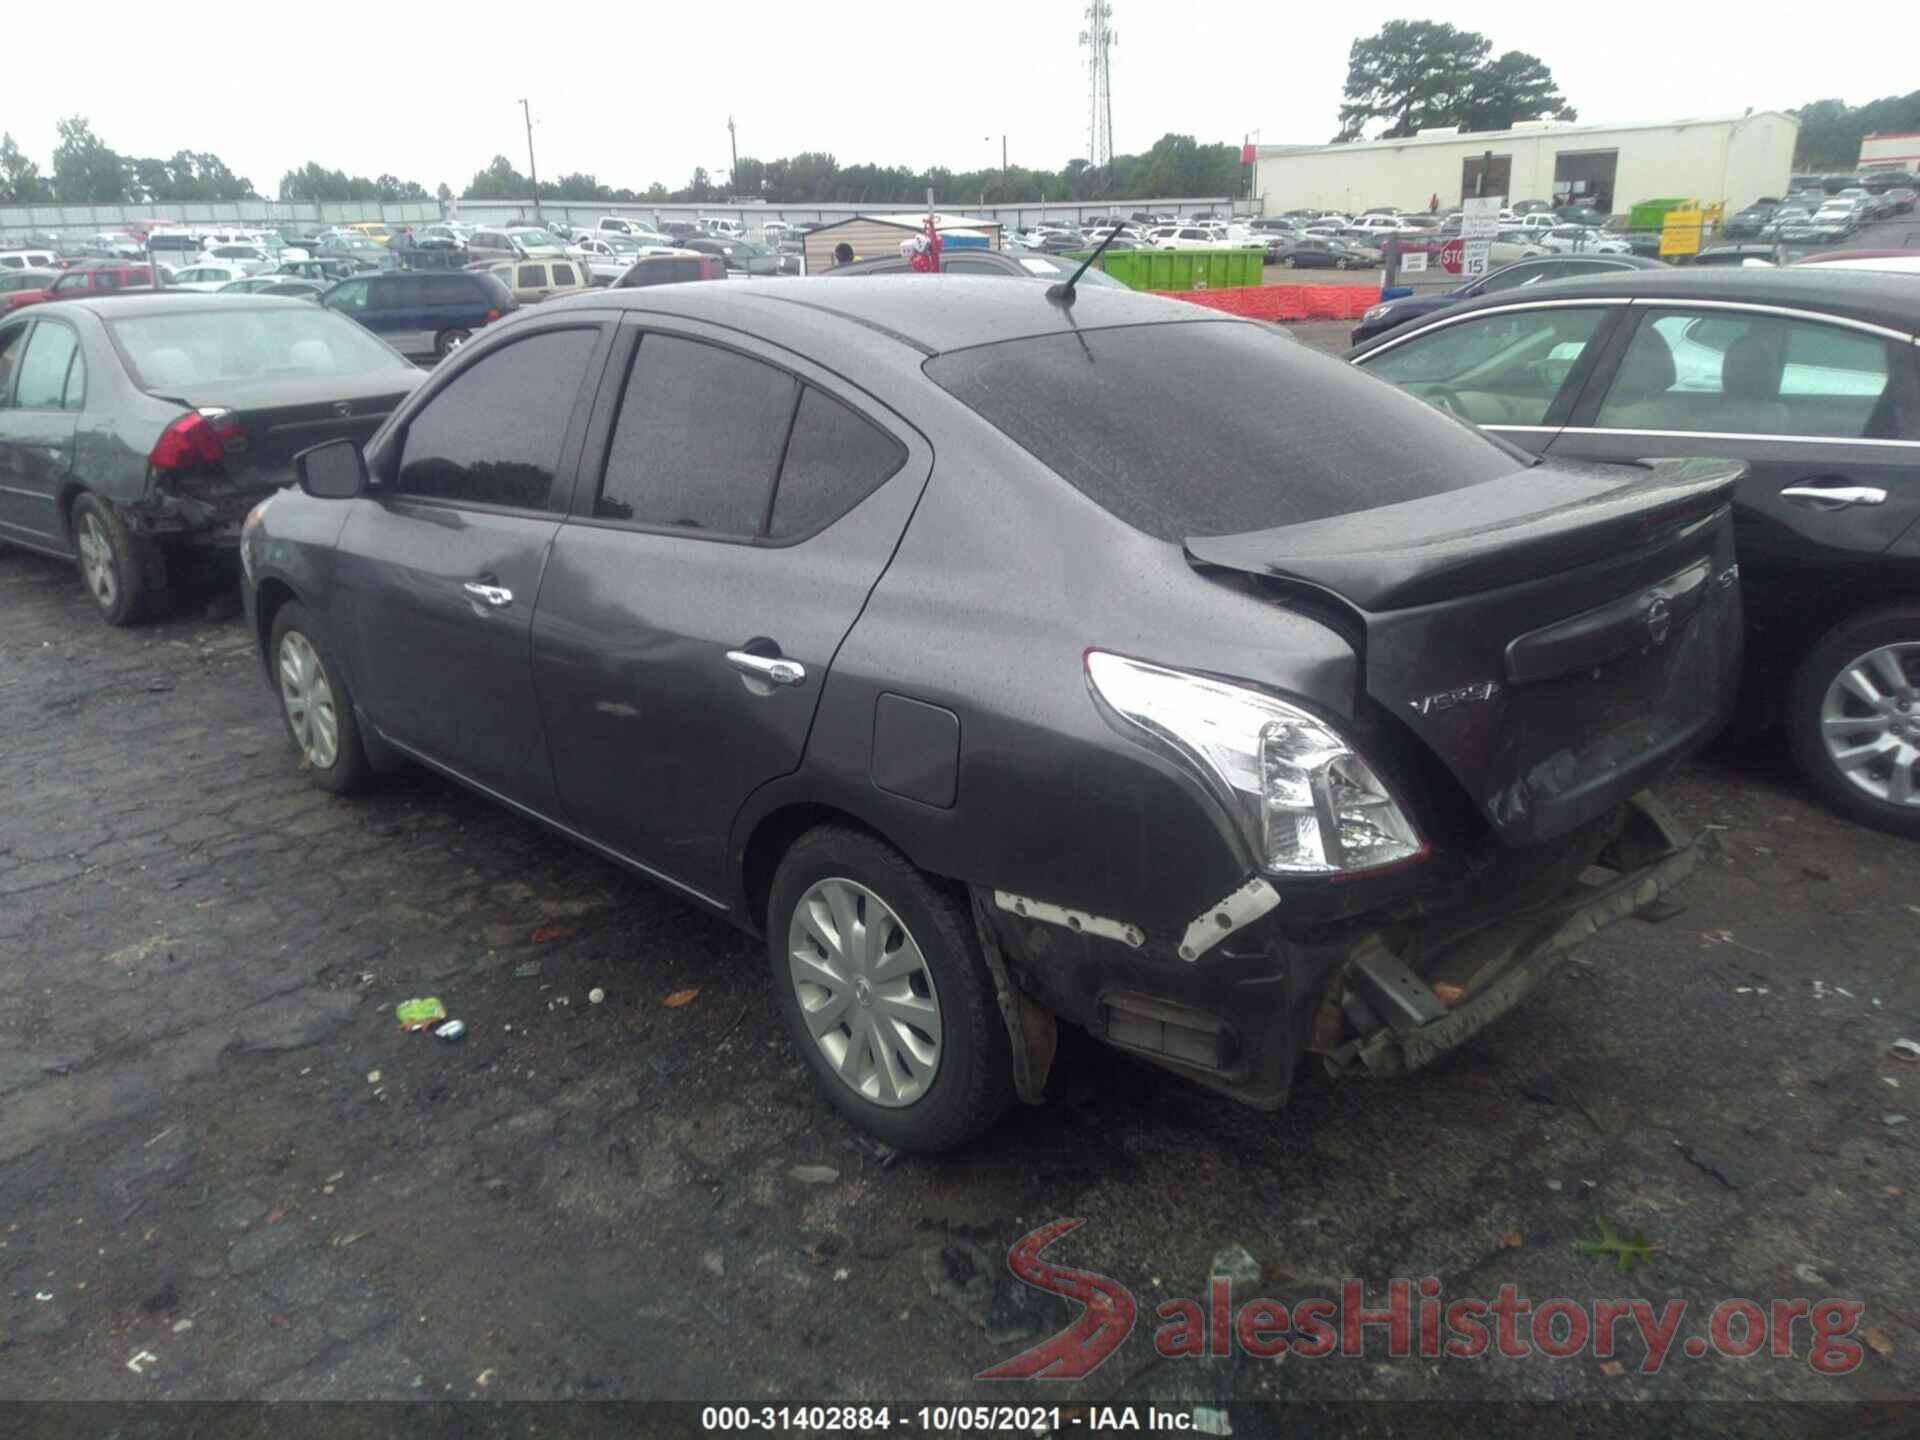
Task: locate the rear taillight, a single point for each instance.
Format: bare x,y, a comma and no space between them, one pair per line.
200,437
492,315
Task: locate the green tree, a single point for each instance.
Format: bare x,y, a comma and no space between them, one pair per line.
443,192
1413,73
499,181
20,180
1831,130
85,171
1517,86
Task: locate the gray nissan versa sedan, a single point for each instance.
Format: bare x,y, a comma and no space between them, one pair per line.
1008,656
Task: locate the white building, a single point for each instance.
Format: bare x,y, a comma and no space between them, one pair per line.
1736,159
1895,151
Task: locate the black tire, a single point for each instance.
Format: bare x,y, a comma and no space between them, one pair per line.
130,568
348,769
973,1084
447,341
1839,648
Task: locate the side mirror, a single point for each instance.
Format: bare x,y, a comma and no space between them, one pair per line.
331,470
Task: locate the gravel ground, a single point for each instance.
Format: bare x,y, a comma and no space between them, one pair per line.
218,1150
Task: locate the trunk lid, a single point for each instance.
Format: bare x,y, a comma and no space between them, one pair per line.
283,415
1558,638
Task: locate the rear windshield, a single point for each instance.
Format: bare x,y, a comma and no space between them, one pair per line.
238,342
1215,429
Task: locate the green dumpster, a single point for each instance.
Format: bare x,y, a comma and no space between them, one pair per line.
1652,214
1182,269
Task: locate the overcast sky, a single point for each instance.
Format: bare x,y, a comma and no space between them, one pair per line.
642,93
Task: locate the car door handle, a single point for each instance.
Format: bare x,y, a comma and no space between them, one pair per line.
1835,497
495,595
768,667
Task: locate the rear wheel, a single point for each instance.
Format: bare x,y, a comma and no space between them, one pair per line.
315,703
117,566
448,341
879,974
1854,719
1288,261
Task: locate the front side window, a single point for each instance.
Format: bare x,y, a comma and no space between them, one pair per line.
67,284
494,435
348,295
1504,368
43,370
1725,372
699,439
563,275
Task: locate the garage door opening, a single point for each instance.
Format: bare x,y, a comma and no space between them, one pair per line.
1585,177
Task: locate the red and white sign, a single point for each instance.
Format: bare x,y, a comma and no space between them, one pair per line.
1453,255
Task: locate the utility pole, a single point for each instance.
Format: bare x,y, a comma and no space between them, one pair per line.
1003,162
733,146
532,170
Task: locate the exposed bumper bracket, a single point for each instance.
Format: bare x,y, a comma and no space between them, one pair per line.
1238,910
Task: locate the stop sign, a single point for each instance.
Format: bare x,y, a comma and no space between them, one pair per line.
1453,256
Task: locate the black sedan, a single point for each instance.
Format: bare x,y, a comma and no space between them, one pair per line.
1807,375
1521,275
888,622
134,425
1309,252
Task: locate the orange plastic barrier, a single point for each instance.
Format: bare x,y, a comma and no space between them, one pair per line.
1284,302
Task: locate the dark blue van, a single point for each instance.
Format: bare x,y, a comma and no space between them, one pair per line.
419,312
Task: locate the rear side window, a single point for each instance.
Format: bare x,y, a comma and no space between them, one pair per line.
493,436
532,277
1213,428
699,439
835,459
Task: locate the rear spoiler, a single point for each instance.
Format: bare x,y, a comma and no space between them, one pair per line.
1483,537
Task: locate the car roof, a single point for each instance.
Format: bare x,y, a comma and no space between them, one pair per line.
934,314
1855,294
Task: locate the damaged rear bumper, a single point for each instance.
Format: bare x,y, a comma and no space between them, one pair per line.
1466,988
209,515
1377,996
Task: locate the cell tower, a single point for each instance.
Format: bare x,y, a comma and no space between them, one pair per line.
1099,39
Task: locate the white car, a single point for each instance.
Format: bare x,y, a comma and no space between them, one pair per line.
1377,225
1535,220
1192,237
207,278
1578,240
732,229
26,260
250,258
608,257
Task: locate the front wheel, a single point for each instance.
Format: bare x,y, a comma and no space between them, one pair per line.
1854,719
879,974
315,702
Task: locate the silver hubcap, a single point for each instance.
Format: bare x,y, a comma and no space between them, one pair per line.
96,561
1870,723
865,993
309,701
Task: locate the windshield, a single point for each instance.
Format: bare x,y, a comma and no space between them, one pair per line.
1174,428
234,343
